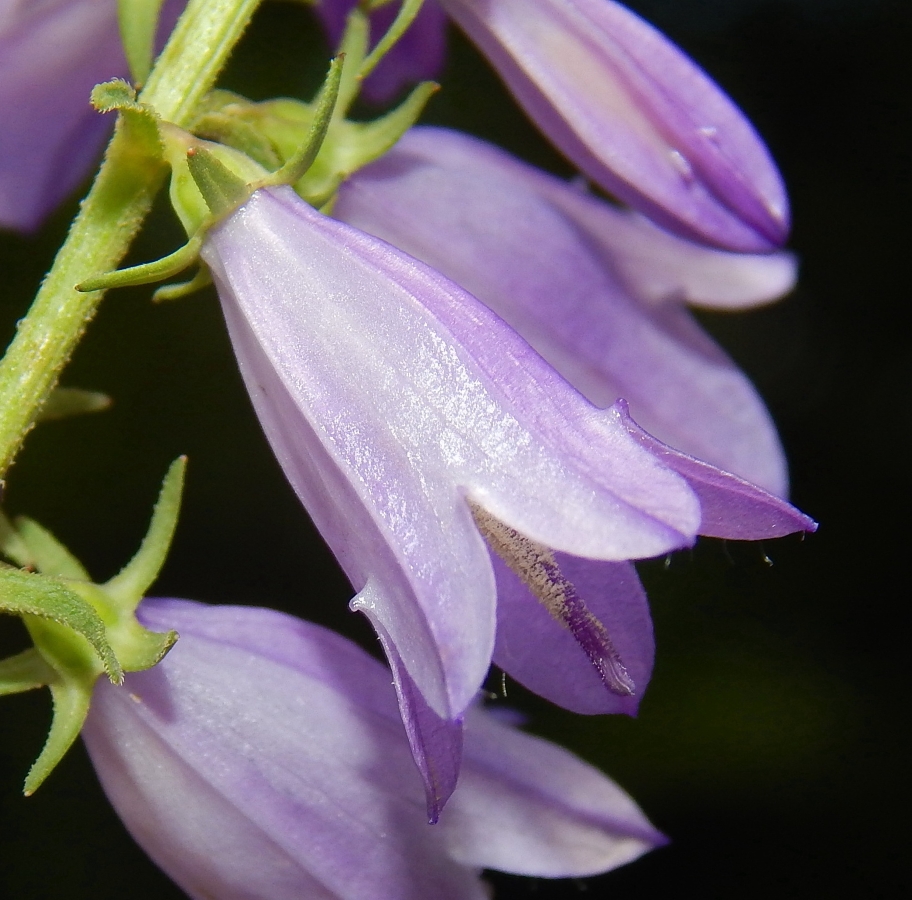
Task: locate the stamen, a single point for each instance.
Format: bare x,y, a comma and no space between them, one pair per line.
535,565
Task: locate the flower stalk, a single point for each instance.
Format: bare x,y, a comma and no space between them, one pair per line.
110,217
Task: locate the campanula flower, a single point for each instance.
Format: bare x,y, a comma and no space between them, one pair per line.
423,434
265,758
52,53
594,289
629,109
635,114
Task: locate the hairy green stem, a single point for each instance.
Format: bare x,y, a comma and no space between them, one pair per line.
110,217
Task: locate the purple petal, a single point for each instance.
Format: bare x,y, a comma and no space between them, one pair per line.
545,656
502,231
527,806
391,397
52,53
419,54
263,759
658,267
248,774
635,114
436,743
732,508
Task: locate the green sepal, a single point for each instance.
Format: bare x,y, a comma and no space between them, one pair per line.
353,46
179,290
24,672
13,547
324,107
222,190
71,698
66,402
47,554
48,605
226,127
129,586
404,18
138,24
147,273
224,171
362,142
352,145
139,121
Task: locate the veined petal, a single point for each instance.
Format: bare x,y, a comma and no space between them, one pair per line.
417,56
528,806
635,114
264,758
658,267
732,508
545,656
391,397
544,257
250,773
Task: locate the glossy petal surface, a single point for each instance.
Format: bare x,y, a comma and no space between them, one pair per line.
391,397
264,758
635,114
582,282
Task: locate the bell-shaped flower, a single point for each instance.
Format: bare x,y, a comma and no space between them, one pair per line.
625,105
597,291
265,758
635,114
422,433
52,53
417,56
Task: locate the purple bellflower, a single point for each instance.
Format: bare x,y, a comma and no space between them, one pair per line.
52,53
597,291
629,109
468,491
265,758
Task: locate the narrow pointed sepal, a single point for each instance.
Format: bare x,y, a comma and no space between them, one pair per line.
24,672
71,698
129,586
66,402
44,598
138,21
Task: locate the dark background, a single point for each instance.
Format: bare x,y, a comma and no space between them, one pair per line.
772,744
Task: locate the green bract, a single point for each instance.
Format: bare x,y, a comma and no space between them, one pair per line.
80,630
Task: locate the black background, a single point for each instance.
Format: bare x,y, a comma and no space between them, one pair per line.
771,747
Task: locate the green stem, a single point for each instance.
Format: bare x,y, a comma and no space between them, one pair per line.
110,217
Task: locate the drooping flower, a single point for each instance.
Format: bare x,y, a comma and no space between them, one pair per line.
422,433
632,112
596,290
265,758
52,53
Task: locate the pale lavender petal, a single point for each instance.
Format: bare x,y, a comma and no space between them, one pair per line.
436,742
527,806
732,508
391,396
246,773
635,114
502,230
418,56
52,53
545,656
264,759
658,267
